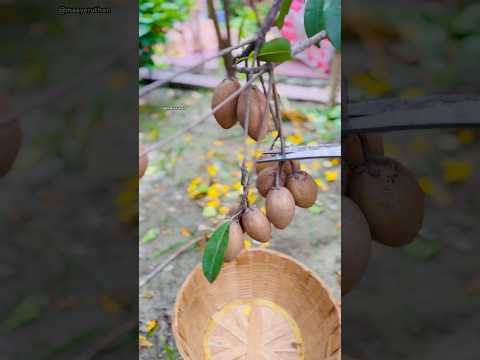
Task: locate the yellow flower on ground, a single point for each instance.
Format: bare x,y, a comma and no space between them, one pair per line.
247,244
321,185
296,139
252,198
210,154
262,209
258,153
196,180
466,136
184,232
240,156
151,325
426,185
214,203
237,186
335,161
212,170
455,171
143,342
224,210
214,191
218,143
250,141
330,175
274,134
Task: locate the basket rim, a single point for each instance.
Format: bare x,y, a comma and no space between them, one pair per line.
331,297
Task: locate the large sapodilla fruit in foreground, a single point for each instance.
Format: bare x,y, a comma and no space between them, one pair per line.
226,116
280,207
235,241
356,244
257,225
352,150
257,128
303,188
10,142
142,162
266,180
390,198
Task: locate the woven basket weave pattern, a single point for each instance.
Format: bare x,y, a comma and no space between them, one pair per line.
259,275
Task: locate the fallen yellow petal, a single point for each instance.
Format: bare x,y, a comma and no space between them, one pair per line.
143,342
330,175
455,171
321,185
151,325
212,170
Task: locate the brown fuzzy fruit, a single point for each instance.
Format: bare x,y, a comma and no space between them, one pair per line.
390,198
142,162
10,142
372,145
257,128
235,241
288,166
226,116
266,180
356,244
303,188
257,225
352,150
280,207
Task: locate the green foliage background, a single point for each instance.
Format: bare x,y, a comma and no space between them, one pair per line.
155,18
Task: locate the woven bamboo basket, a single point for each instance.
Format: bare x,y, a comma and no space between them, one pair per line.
263,306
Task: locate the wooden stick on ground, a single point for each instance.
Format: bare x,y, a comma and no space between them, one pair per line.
172,257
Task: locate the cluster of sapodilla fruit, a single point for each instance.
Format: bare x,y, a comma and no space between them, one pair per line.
283,184
10,138
381,201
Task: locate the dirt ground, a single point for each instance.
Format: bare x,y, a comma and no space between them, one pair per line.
313,238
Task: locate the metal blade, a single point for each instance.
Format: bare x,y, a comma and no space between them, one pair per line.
422,113
304,152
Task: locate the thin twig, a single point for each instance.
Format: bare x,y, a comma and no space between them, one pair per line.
108,340
172,257
161,143
156,84
199,121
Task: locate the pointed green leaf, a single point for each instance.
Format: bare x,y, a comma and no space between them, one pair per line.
150,235
277,51
332,14
284,7
313,18
215,251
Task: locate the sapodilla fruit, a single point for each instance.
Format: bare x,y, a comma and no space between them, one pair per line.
352,150
303,188
235,241
372,144
10,142
266,180
257,128
390,198
142,162
256,225
288,166
356,244
280,207
226,116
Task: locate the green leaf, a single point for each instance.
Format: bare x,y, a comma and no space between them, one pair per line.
150,235
284,7
313,18
423,248
332,14
215,251
277,51
28,310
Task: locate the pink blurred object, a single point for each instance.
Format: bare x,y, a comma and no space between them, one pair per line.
293,30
